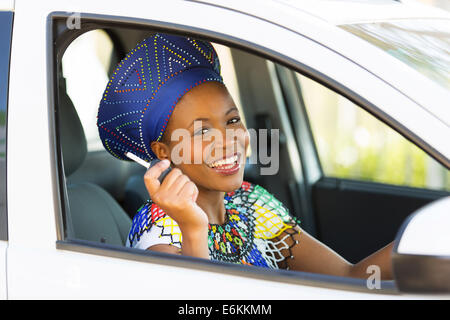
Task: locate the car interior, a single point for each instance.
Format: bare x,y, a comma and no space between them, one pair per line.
101,193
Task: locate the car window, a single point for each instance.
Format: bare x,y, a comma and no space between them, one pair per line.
5,46
352,144
86,65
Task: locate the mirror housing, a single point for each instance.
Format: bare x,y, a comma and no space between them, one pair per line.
421,254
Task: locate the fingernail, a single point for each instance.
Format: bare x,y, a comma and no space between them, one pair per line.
165,162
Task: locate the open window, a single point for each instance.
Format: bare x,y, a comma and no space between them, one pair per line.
99,194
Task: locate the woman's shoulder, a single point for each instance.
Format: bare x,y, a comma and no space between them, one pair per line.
148,214
262,211
151,220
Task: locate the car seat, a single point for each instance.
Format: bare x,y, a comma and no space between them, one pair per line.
92,213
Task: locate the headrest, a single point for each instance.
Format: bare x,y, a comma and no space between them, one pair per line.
73,140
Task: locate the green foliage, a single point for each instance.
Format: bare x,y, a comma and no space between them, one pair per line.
2,118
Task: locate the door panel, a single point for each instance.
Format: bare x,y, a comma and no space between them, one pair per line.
357,218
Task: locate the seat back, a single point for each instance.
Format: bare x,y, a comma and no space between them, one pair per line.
93,214
96,216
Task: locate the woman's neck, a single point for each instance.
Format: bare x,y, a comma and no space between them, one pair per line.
211,202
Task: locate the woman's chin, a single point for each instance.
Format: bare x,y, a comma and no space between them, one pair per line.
232,185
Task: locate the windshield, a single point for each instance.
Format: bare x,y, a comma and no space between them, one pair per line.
423,44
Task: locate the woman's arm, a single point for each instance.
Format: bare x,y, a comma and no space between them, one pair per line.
382,258
310,255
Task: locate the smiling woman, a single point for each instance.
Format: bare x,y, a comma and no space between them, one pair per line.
203,207
204,197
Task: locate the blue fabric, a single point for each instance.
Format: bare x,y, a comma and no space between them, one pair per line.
145,87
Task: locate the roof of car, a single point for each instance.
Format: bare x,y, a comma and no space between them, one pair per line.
6,5
356,11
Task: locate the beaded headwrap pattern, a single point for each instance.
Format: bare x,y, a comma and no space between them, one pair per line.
146,86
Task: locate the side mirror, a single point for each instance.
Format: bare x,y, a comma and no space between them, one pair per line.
421,254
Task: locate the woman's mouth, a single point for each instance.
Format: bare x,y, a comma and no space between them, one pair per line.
227,166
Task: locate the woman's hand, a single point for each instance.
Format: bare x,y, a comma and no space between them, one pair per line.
177,196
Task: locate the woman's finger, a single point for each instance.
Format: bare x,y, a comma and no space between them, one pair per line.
179,183
151,176
189,190
170,179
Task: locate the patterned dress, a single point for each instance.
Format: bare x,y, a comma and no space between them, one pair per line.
258,229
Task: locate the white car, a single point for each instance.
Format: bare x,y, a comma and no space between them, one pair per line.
67,205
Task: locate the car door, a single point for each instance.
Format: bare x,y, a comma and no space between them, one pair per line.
43,262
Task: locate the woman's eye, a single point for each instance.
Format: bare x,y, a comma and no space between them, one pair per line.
234,120
201,131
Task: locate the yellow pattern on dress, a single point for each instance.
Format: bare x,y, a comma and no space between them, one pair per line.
268,224
168,223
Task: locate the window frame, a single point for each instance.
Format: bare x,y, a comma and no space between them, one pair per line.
6,20
54,54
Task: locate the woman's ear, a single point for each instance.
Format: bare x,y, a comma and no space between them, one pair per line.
161,150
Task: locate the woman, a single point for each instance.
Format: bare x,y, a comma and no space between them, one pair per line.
170,87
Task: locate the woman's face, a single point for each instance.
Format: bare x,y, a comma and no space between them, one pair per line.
206,138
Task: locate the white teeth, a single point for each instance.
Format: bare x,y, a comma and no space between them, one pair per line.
226,161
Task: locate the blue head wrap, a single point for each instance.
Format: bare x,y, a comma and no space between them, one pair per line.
145,87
